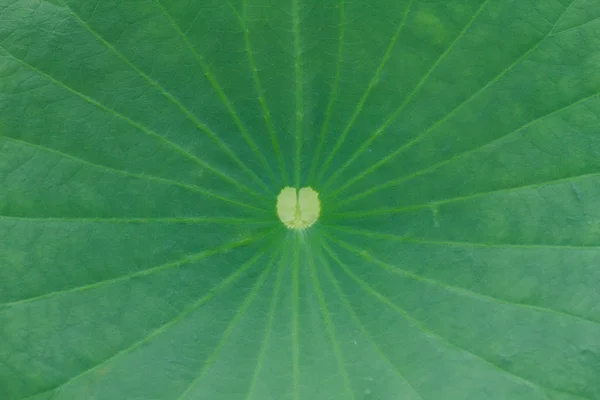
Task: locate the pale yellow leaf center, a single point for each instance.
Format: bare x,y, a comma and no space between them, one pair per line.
298,209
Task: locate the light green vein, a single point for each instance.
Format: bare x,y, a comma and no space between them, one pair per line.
268,328
230,327
235,11
367,288
200,125
329,324
295,317
232,278
553,32
215,84
379,131
140,127
408,239
299,91
438,123
359,323
426,331
259,90
433,167
436,203
372,84
461,291
138,221
585,24
192,188
332,96
149,271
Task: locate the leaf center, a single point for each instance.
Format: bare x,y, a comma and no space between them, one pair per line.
298,209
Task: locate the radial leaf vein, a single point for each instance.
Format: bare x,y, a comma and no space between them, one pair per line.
367,288
139,221
367,92
359,323
138,126
145,272
435,203
379,131
295,319
228,281
585,24
461,291
433,167
259,90
230,327
152,178
409,239
200,125
222,96
268,328
332,97
385,160
299,91
330,327
234,10
553,32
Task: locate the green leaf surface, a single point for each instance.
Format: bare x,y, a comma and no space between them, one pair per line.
455,146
